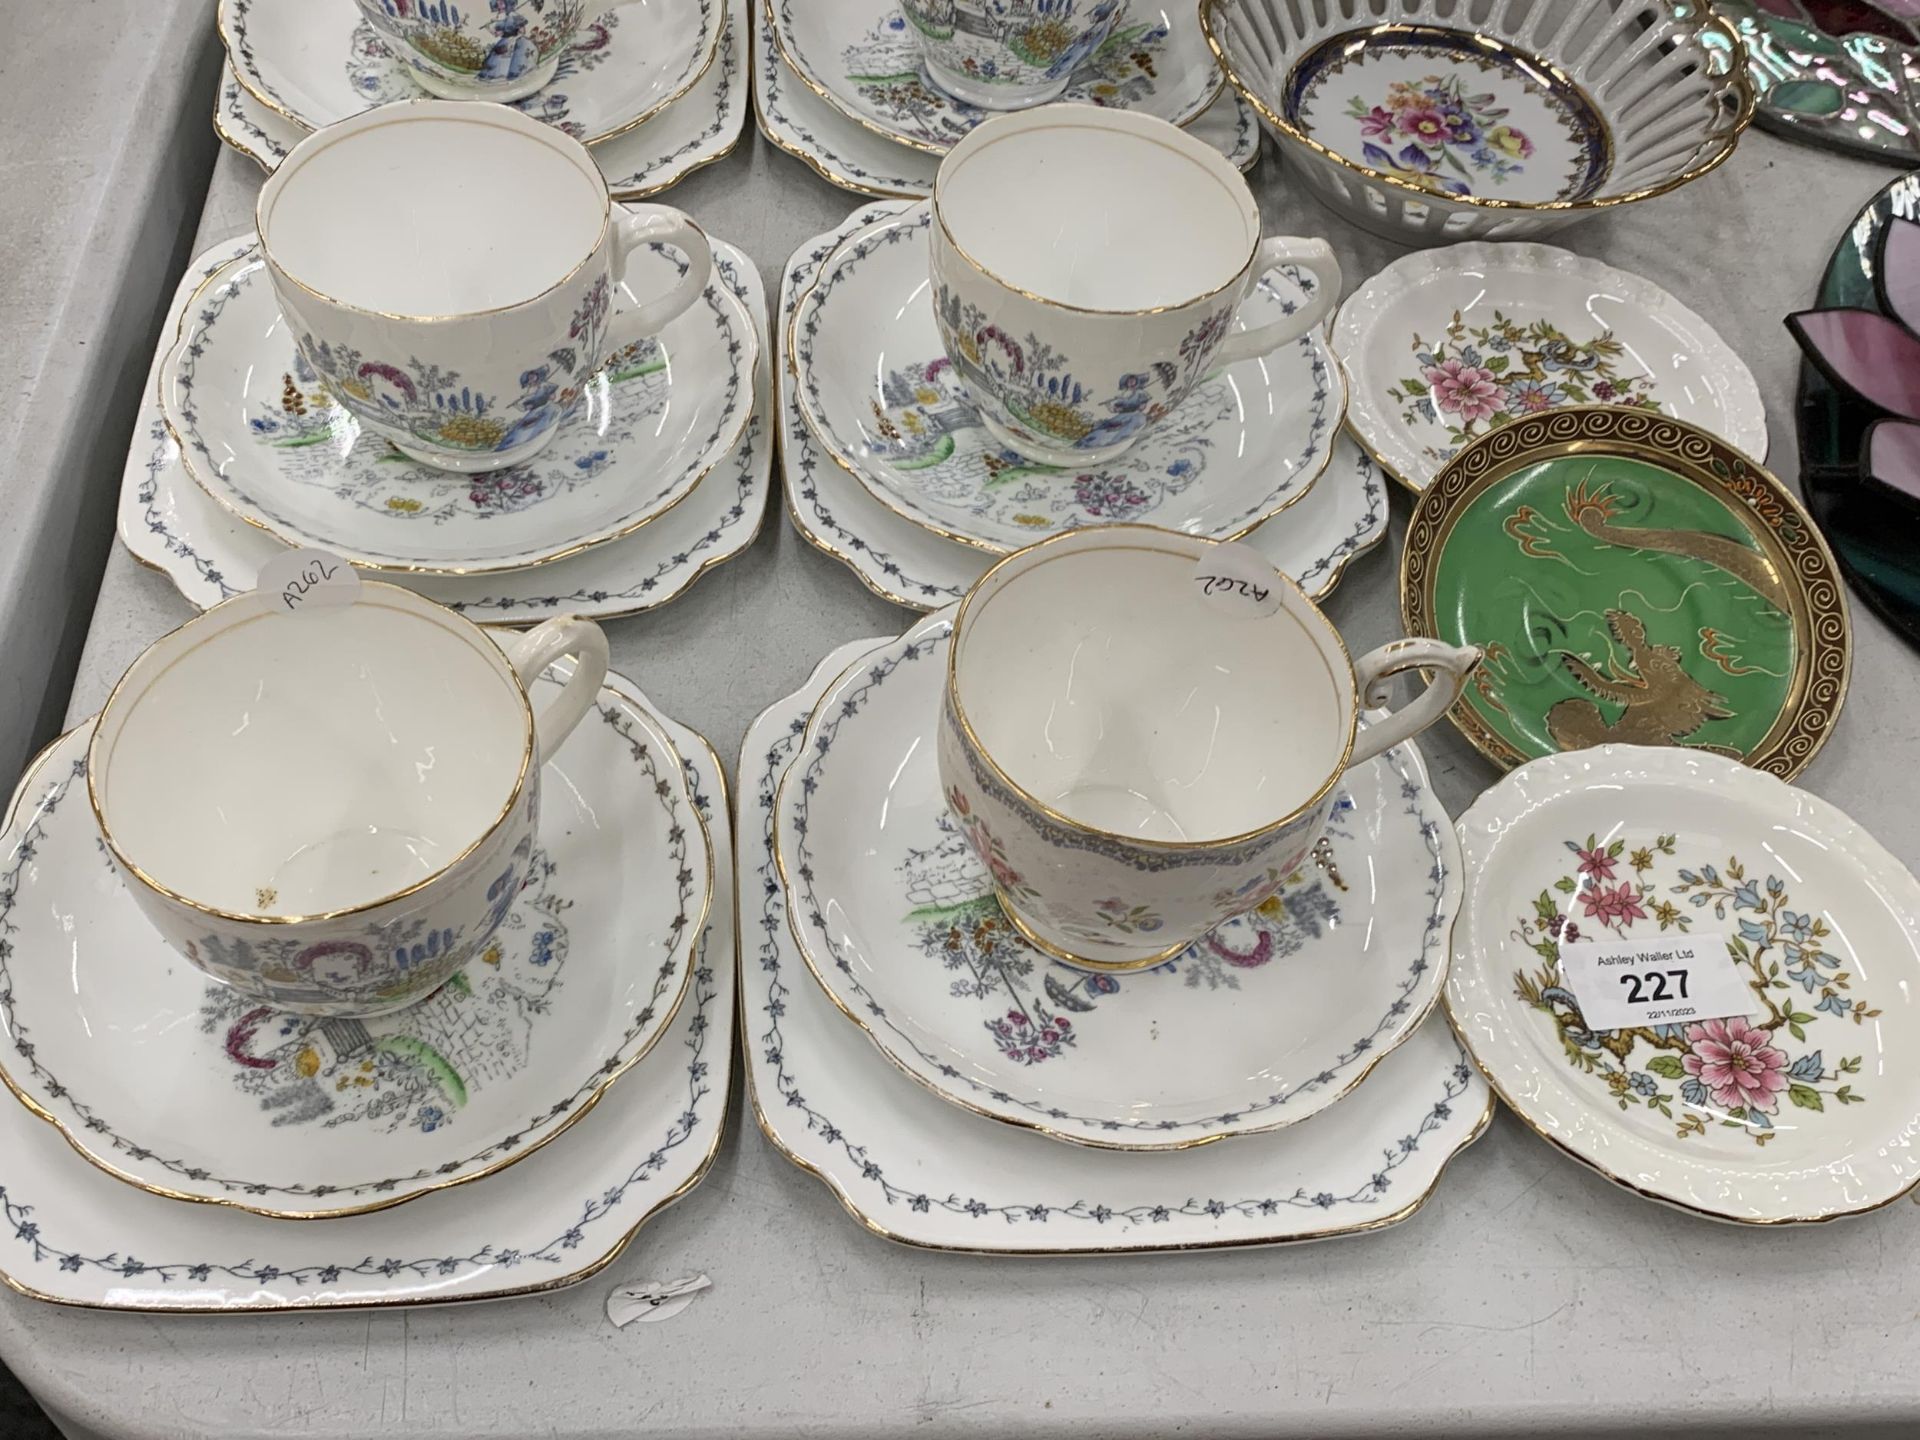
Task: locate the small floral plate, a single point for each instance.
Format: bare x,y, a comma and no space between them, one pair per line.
853,157
1806,1107
169,523
910,1167
694,131
261,434
1444,345
183,1088
74,1235
313,62
896,918
876,389
861,58
1343,515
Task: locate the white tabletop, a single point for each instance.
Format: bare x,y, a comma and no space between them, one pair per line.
104,112
1529,1295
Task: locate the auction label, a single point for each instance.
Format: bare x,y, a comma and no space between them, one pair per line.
1655,980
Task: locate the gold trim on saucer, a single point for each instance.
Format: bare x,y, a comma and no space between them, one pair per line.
670,761
724,1102
816,713
1787,540
223,24
1719,139
772,21
1000,549
189,313
875,1227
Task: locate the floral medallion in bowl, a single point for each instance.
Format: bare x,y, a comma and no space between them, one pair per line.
883,399
1444,345
863,59
1269,1019
1632,579
1801,1107
181,1088
264,437
1434,121
313,62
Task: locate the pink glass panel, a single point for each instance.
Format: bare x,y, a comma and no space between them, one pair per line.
1868,353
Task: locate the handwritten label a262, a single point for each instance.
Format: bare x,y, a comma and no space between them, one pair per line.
1237,580
298,581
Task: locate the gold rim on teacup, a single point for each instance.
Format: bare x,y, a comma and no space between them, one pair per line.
1119,535
529,733
400,112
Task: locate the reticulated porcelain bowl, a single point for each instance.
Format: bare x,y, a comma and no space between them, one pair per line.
1432,121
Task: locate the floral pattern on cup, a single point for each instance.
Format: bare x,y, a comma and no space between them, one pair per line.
884,70
377,68
308,416
1023,49
1476,378
418,1068
514,38
1029,388
958,923
432,405
1711,1075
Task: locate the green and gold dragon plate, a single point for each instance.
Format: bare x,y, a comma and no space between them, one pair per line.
1632,579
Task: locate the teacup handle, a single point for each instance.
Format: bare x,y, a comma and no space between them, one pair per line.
637,225
530,654
1313,256
1451,664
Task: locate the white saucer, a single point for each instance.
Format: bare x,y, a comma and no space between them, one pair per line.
896,917
1806,1108
694,131
881,398
184,1088
313,62
845,153
261,434
1343,515
1444,345
74,1235
171,524
860,57
912,1168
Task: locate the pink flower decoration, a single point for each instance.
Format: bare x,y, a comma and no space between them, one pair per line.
1377,123
1596,862
1424,124
1464,390
1613,907
1736,1062
1877,358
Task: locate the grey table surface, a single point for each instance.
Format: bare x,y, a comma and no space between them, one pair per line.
1529,1295
104,108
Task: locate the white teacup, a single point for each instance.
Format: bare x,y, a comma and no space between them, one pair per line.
1087,264
332,810
448,269
1006,54
480,49
1139,741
